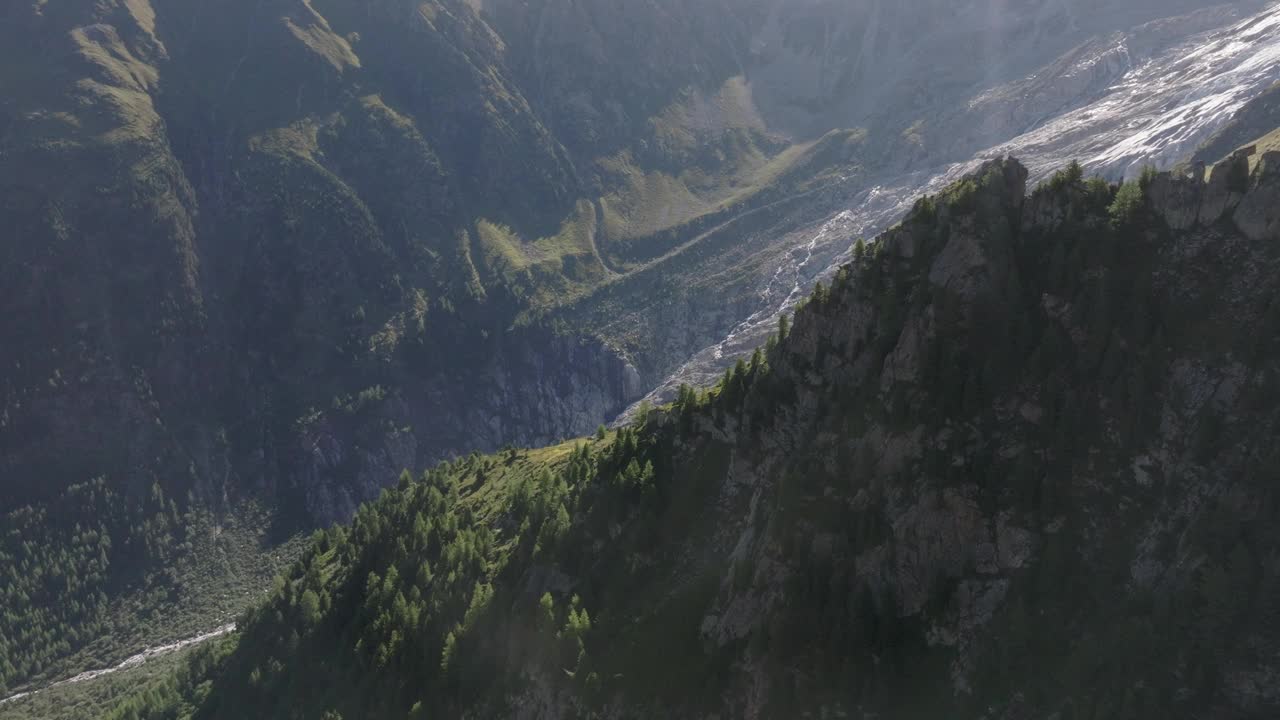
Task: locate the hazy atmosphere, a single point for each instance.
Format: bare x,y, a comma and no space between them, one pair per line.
614,359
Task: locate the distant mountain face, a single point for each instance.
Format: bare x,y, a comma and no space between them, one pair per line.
1015,462
282,249
226,220
1120,98
1256,124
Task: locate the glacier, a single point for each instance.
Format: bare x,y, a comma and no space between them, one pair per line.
1116,102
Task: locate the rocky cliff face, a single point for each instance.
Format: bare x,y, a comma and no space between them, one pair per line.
970,527
537,390
1231,194
973,514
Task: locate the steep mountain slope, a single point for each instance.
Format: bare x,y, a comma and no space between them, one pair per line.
1016,462
241,265
274,251
229,223
315,226
285,228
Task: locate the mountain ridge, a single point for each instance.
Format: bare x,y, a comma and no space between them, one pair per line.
272,252
1012,463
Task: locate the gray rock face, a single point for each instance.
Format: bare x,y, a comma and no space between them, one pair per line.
1177,198
1251,202
1258,214
960,266
903,364
540,389
1228,181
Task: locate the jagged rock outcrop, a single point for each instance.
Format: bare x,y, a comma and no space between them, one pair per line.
953,537
1176,197
1248,198
973,542
1227,183
1258,214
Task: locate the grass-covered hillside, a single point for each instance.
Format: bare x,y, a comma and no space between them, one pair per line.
1015,462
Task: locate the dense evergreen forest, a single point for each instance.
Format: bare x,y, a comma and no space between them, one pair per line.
107,575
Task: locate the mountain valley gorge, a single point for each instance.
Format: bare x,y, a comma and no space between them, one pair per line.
1010,459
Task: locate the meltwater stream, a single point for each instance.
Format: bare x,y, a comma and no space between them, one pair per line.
132,661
